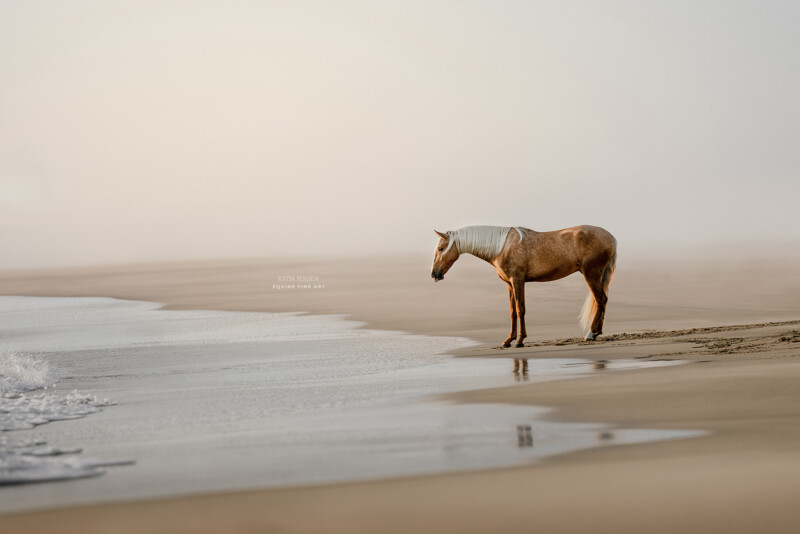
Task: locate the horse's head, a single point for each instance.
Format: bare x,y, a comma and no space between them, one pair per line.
445,256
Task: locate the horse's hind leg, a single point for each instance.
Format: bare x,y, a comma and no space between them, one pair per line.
513,306
600,315
594,279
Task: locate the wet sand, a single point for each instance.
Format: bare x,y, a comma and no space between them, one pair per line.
738,322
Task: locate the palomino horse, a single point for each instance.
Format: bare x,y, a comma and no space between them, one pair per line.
522,255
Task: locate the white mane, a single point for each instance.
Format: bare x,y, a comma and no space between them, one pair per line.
485,242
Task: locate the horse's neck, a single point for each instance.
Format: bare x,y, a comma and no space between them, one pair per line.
477,253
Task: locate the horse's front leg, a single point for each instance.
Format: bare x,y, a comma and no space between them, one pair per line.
519,297
513,307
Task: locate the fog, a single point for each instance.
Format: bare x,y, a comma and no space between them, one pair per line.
151,131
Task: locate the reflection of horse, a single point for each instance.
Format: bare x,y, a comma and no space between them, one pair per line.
524,436
527,256
521,363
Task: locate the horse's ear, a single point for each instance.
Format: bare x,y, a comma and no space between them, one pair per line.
440,234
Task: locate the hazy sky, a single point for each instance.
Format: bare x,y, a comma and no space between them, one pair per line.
138,131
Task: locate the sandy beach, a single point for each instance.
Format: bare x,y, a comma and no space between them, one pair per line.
223,221
738,324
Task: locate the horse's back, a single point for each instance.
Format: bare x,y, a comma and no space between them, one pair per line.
577,237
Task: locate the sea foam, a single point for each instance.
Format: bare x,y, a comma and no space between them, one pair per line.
24,372
24,404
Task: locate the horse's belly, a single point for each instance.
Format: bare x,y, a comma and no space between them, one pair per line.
554,273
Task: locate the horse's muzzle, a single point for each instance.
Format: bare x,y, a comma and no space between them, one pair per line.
437,275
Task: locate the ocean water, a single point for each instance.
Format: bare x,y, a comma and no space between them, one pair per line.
177,402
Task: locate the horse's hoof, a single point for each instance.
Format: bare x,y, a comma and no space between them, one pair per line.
519,344
506,344
589,336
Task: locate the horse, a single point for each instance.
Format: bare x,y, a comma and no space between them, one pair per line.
521,255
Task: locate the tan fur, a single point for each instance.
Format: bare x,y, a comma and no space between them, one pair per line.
543,257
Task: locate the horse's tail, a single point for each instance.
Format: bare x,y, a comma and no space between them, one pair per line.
590,305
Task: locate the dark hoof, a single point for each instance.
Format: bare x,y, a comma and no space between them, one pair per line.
506,344
519,344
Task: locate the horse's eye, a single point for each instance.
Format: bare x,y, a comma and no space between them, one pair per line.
441,249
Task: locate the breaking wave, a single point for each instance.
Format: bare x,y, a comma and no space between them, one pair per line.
25,402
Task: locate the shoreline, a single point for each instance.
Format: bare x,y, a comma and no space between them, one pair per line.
410,407
739,477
